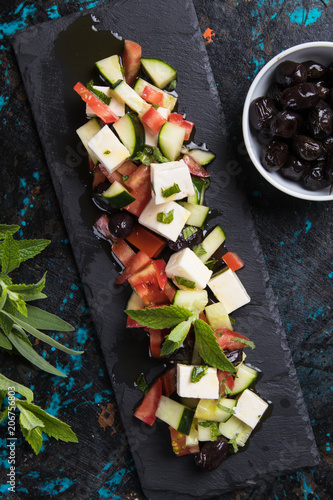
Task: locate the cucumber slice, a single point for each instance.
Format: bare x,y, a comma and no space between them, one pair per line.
110,69
135,302
198,213
217,316
207,409
169,100
201,156
245,376
235,429
210,244
159,71
175,414
200,185
170,140
193,438
195,300
131,133
124,93
87,132
117,195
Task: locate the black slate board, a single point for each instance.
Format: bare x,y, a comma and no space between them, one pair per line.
285,440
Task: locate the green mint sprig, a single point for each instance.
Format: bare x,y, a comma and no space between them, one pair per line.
33,420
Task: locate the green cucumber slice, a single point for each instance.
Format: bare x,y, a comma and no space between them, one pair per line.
245,376
87,132
169,100
131,133
159,71
202,156
170,140
207,409
200,185
117,195
175,414
193,300
110,69
235,429
124,93
135,302
198,213
217,316
210,244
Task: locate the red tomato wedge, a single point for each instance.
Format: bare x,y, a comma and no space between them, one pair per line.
169,381
170,291
111,176
146,284
97,106
123,252
127,168
162,278
225,380
194,167
102,227
99,176
156,338
178,442
153,96
131,323
179,120
145,240
131,60
139,261
153,120
225,340
139,186
147,409
233,261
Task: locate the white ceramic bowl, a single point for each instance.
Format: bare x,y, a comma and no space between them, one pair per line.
317,51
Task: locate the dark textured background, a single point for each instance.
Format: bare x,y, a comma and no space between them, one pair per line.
296,238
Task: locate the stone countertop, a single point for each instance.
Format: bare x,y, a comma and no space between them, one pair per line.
295,235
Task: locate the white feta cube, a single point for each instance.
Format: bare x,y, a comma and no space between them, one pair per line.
171,230
250,408
186,264
151,138
207,387
116,106
165,175
229,290
108,149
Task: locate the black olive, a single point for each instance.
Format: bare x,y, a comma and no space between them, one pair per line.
286,124
212,453
328,145
301,96
290,73
235,357
320,120
182,242
274,92
294,168
318,177
315,70
121,224
261,111
307,148
323,90
274,155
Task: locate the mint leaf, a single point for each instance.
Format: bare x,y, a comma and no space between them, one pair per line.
198,372
165,217
20,306
7,384
214,431
3,298
5,322
199,250
167,192
98,93
43,320
188,231
160,317
226,409
27,419
20,343
8,229
234,444
246,342
141,384
10,258
209,348
52,426
34,438
27,291
4,342
176,337
185,282
30,248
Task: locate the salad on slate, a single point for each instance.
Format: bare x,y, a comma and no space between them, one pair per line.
149,181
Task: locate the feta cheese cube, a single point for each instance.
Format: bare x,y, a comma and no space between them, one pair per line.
108,149
207,387
165,175
250,408
229,290
186,264
148,218
116,106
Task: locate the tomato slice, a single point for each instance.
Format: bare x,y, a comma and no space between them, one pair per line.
139,186
147,409
146,284
97,106
123,252
156,338
169,381
225,380
99,176
170,291
162,278
153,96
127,168
179,120
224,337
153,120
194,167
131,323
145,240
178,443
102,227
233,261
139,261
131,60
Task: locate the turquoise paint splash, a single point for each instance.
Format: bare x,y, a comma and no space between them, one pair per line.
9,29
304,16
52,12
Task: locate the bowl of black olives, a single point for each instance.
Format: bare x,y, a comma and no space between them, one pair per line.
288,121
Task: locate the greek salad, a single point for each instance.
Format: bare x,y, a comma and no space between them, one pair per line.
149,181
